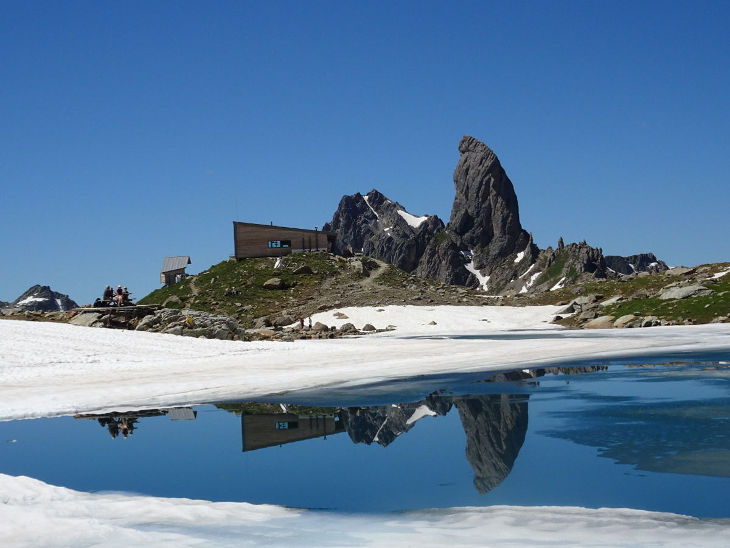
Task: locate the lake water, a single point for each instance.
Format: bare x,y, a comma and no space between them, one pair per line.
654,437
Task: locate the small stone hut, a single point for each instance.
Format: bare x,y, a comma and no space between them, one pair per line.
173,269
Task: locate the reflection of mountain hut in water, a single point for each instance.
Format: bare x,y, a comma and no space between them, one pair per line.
259,431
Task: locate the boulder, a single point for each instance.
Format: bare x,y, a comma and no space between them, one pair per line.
625,321
348,328
283,321
368,327
649,321
304,269
678,271
694,290
274,283
643,262
613,300
602,322
85,319
262,322
319,326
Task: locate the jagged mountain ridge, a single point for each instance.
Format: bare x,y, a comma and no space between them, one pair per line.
383,229
41,298
483,245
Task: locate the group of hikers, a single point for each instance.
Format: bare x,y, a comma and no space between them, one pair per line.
120,297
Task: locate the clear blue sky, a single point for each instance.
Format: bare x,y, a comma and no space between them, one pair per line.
135,130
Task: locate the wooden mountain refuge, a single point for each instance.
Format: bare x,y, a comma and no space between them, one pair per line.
254,240
259,431
173,269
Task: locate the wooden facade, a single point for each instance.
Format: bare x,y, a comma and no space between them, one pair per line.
259,431
254,240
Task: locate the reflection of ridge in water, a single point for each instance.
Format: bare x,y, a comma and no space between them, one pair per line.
495,425
495,428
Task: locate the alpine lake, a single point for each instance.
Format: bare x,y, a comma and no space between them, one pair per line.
636,434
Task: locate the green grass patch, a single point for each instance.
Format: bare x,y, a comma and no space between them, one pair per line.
702,309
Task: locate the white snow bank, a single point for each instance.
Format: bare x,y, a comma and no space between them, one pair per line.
519,256
559,285
50,369
721,273
483,280
450,319
531,281
412,220
34,513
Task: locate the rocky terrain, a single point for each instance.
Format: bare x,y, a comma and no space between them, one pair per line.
483,245
253,299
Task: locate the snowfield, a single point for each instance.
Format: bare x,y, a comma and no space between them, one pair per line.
34,513
49,369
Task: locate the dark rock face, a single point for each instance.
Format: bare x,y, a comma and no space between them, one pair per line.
382,229
485,213
385,423
442,260
41,298
643,262
495,428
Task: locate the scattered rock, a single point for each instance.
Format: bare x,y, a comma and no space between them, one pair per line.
348,328
304,269
368,327
340,316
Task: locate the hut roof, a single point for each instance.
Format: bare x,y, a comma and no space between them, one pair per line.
175,263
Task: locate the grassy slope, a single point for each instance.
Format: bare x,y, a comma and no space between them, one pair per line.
235,288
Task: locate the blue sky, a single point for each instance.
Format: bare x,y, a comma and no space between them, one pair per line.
136,130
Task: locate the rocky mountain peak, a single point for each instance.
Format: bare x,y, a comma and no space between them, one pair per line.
381,228
42,298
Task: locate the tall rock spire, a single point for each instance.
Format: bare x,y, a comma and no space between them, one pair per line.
485,213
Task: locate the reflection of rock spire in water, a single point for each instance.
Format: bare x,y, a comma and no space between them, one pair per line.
495,428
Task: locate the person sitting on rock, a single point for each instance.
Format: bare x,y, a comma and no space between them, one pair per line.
119,296
125,295
108,294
